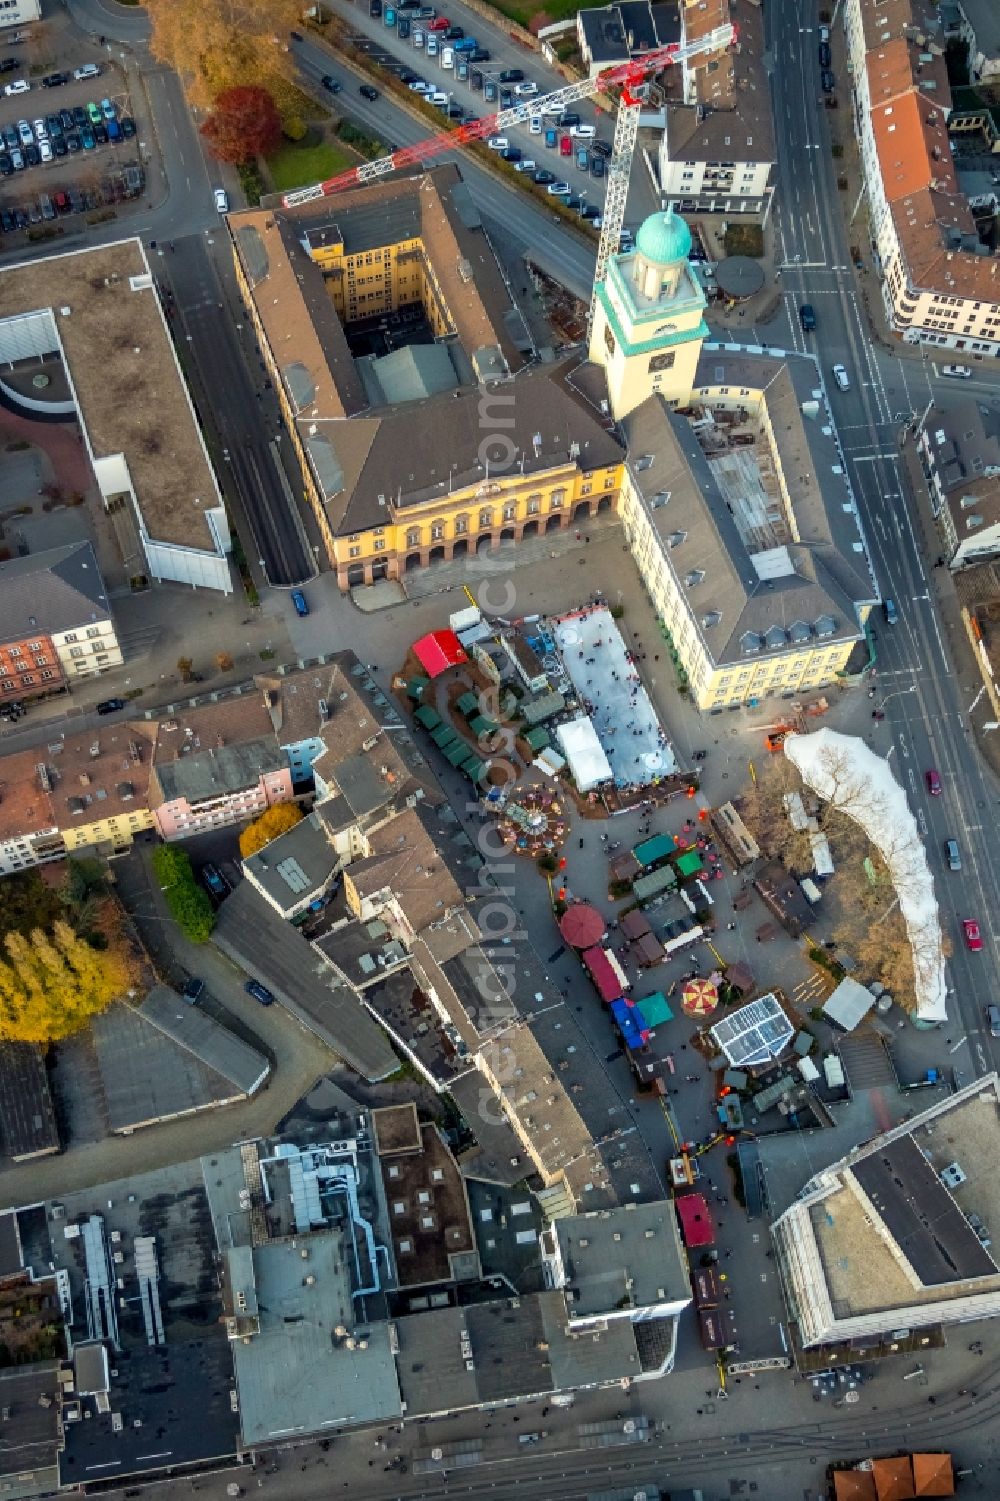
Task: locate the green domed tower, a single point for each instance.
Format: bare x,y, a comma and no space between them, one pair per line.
649,321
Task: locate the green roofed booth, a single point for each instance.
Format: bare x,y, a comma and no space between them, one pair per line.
427,716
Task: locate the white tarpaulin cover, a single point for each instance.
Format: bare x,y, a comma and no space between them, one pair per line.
579,744
846,772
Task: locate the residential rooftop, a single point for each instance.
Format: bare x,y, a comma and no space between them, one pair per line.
101,307
51,591
27,1117
731,118
83,778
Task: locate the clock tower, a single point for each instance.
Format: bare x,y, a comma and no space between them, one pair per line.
649,321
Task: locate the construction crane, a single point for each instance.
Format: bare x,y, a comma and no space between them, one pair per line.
631,77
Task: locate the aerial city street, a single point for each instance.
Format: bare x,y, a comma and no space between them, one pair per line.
499,771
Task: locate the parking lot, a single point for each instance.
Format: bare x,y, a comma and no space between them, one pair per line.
67,143
444,65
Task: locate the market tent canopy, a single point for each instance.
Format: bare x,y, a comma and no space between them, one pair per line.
427,716
651,850
437,651
655,1009
849,1004
579,744
629,1022
582,926
696,1222
689,863
606,973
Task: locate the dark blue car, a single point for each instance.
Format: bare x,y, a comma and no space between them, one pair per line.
300,602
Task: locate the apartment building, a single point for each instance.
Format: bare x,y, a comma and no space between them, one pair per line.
959,451
55,621
449,443
940,281
717,153
216,764
81,792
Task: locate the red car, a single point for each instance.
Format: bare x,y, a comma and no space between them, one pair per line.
440,23
933,783
973,937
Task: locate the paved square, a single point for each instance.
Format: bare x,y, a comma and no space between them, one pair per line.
606,679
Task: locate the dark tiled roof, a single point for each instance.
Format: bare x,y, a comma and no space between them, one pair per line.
51,591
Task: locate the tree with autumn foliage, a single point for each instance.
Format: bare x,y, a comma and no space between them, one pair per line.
275,821
243,124
216,44
51,984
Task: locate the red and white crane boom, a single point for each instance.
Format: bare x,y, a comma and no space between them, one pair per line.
630,77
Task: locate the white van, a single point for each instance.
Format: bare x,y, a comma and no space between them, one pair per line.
957,372
447,57
583,132
841,377
535,125
89,70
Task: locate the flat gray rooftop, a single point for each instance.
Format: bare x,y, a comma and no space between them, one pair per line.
630,1255
296,1377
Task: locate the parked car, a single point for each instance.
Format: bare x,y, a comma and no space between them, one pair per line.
807,317
889,611
551,138
80,117
558,189
101,134
512,75
19,86
597,166
6,167
110,705
32,155
25,132
544,177
193,990
367,92
89,70
300,602
957,372
973,937
993,1019
583,132
94,113
259,992
108,110
498,143
512,155
535,125
17,159
45,150
827,80
933,782
565,145
221,201
54,80
603,148
526,90
567,119
215,882
72,142
824,54
114,133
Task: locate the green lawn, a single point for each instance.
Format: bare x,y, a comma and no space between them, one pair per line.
523,10
295,165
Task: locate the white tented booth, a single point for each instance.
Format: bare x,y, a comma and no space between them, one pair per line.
587,762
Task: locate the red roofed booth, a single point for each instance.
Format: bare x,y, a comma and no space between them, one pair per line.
439,650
